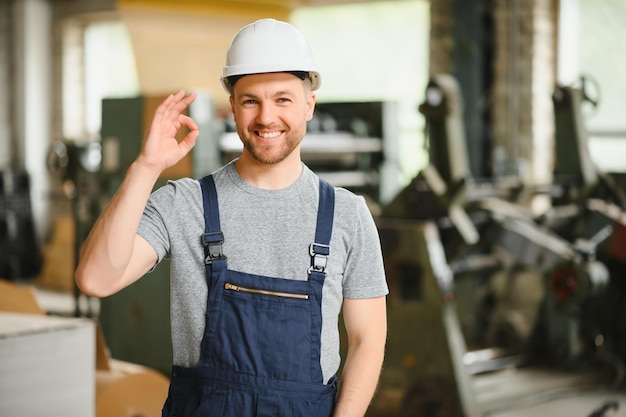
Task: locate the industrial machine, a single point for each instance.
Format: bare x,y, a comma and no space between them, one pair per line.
76,166
20,252
491,307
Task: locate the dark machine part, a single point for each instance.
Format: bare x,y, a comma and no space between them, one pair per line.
425,344
431,396
575,174
78,165
575,280
573,277
573,166
606,409
439,190
443,110
20,253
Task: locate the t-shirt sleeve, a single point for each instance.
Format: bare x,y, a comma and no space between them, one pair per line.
152,226
364,275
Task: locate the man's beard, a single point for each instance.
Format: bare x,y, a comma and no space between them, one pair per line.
273,154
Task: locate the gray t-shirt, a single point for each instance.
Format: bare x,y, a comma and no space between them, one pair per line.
266,232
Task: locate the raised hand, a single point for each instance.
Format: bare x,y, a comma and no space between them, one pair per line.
161,149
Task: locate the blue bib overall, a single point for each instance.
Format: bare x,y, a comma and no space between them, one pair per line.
260,353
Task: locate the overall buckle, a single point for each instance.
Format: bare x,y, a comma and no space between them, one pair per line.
212,242
319,257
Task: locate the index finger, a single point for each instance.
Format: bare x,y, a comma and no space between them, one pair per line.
182,101
176,103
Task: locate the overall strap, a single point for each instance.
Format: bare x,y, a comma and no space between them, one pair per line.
213,237
320,249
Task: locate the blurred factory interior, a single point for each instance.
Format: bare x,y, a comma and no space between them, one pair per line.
487,136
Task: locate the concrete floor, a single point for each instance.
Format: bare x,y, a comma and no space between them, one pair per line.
572,404
539,393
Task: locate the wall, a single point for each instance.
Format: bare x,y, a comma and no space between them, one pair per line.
184,47
5,99
524,76
30,97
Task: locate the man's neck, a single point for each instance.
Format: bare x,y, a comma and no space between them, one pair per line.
269,176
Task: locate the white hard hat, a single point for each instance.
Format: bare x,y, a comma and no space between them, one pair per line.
269,45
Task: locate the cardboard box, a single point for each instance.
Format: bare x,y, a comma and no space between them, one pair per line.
46,366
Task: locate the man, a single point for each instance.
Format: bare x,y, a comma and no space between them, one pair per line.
264,255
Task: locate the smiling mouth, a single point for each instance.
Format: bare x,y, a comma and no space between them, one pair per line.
268,135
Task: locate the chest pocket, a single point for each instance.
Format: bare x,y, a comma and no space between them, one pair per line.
265,327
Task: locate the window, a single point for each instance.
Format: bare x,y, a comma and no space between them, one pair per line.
98,62
590,45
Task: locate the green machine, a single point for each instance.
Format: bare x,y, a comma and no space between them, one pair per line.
135,321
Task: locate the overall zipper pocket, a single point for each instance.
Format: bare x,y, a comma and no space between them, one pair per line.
233,287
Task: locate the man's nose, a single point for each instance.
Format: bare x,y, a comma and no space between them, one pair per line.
266,114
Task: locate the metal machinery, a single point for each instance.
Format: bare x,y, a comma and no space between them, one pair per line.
20,252
77,166
491,307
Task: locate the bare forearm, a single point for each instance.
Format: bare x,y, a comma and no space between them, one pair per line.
366,328
359,381
107,251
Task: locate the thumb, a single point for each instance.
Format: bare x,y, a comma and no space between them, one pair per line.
189,141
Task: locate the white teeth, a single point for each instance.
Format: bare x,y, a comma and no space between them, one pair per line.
269,135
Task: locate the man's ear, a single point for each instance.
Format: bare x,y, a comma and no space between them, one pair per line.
232,107
310,106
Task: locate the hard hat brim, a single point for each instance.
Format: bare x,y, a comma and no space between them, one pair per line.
229,81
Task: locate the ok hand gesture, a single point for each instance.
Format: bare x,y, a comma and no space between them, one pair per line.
161,149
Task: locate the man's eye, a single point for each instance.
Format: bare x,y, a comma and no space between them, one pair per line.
249,102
